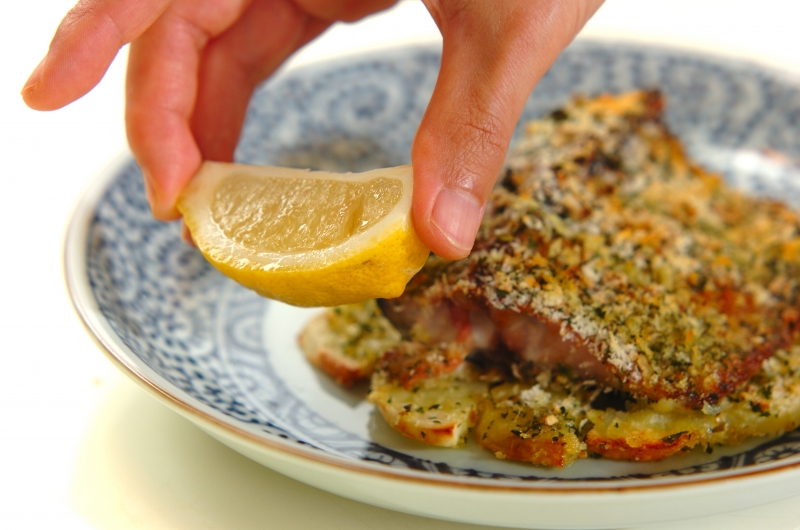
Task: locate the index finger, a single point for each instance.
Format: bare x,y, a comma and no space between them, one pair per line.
85,43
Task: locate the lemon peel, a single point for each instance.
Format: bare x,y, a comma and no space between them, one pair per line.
307,238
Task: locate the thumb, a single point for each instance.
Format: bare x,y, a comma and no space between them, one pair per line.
493,55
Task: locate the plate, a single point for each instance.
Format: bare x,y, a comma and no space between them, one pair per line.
228,359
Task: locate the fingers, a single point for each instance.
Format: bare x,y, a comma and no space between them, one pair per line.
345,10
85,43
493,55
161,84
161,90
246,54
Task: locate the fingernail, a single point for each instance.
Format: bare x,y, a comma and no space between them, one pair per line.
35,75
457,214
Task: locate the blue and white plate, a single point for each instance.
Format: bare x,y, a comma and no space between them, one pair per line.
228,359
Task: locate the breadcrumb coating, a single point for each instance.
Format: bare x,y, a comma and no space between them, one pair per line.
678,284
671,301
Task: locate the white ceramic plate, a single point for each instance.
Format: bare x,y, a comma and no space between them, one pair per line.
228,360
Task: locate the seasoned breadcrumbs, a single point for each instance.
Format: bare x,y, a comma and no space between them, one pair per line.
679,284
684,290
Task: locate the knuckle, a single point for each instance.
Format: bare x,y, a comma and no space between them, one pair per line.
481,133
89,13
83,10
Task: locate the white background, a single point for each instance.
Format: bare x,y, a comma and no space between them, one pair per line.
83,447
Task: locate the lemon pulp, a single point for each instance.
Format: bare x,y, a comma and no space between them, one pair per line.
306,238
281,215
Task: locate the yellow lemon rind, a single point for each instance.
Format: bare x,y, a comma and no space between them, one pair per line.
379,271
377,263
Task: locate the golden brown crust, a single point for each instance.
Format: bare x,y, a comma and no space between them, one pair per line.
604,238
539,433
679,285
646,451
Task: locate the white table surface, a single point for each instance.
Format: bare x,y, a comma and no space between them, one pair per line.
83,447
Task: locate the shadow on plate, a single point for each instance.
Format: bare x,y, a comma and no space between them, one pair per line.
352,396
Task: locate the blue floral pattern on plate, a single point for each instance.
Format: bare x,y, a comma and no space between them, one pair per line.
207,337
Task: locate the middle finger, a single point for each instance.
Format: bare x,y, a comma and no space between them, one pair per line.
236,61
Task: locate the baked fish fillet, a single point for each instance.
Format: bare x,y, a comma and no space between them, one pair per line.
619,301
605,251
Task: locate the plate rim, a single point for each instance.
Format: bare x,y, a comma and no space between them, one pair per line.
85,305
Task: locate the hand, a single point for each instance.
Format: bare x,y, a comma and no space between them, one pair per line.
194,64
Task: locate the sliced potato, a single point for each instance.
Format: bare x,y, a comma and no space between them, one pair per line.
529,424
438,411
347,341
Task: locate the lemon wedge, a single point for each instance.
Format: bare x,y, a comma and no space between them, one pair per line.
306,238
